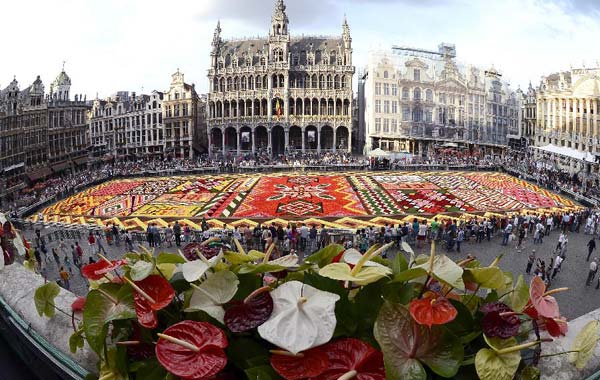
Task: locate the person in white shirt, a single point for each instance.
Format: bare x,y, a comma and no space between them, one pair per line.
592,272
557,263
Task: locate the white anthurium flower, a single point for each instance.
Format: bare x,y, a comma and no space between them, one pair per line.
1,258
19,244
303,317
287,261
210,296
193,270
352,256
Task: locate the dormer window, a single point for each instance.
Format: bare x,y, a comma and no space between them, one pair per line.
248,61
263,61
278,55
295,60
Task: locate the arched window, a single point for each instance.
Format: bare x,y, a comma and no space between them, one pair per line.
248,60
329,81
429,95
385,74
322,81
344,83
417,94
318,56
405,93
263,61
332,57
314,81
303,57
243,84
278,55
229,84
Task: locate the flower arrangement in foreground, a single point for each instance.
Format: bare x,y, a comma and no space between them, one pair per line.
339,315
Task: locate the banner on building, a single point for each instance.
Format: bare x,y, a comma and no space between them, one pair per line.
245,137
312,136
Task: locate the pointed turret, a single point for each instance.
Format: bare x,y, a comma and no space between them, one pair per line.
279,21
347,42
217,35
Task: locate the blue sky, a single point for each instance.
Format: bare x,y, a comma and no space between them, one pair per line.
135,45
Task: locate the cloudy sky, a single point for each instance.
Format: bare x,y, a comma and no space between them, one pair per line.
135,45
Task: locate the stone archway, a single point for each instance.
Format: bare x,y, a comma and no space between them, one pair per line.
341,138
295,141
262,138
246,138
230,139
277,140
311,138
216,140
326,138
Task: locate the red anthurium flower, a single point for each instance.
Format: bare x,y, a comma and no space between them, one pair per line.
97,270
192,350
352,357
78,304
251,313
556,326
151,294
498,320
432,309
545,306
309,363
191,249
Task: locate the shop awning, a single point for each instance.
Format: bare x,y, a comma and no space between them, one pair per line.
81,161
13,167
567,152
39,173
61,166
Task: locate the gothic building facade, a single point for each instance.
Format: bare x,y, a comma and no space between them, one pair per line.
418,100
40,134
280,93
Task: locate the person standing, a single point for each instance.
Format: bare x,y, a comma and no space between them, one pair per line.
128,241
169,235
592,272
64,277
507,232
177,232
421,233
459,239
55,255
557,263
591,246
530,262
75,257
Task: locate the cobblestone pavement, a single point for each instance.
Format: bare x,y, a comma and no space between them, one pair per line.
579,300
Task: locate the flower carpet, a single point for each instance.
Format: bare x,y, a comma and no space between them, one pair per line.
344,200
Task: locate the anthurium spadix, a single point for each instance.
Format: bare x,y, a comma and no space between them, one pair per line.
364,272
193,270
210,296
303,317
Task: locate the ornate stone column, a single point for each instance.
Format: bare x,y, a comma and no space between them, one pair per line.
223,140
303,138
269,146
319,140
334,136
350,140
209,142
286,138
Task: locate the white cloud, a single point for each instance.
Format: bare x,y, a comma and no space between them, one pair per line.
115,45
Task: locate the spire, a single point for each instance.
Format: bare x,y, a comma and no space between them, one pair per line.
217,35
279,7
345,27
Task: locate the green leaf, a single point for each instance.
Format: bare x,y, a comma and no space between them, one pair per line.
399,264
263,372
148,370
585,343
519,297
324,256
140,270
166,269
487,277
169,258
99,311
446,270
44,299
531,373
240,258
76,340
259,268
407,345
410,274
245,353
108,367
248,284
325,284
398,292
492,366
463,324
343,272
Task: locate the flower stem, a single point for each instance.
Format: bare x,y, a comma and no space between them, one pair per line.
108,296
257,292
518,347
140,291
472,295
348,375
179,342
554,291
